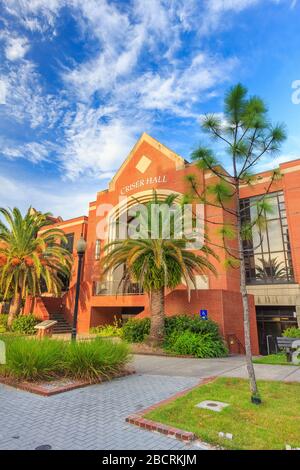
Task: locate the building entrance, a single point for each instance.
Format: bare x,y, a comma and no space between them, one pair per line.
271,322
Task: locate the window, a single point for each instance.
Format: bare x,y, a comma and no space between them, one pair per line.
97,249
70,242
267,254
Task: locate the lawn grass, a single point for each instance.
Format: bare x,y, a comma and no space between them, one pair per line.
271,425
275,359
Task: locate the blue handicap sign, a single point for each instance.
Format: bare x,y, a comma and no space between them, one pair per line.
204,314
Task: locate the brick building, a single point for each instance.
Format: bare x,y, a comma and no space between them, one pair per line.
273,269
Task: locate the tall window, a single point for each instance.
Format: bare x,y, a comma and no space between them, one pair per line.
70,242
268,255
68,245
97,249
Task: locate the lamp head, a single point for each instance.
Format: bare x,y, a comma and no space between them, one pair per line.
81,246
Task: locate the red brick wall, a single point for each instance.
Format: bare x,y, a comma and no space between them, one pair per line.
222,299
289,183
37,307
224,307
291,187
105,315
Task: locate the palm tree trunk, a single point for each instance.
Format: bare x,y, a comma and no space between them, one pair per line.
243,290
157,328
14,308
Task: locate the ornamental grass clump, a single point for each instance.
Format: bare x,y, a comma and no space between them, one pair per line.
109,330
91,360
3,322
35,360
32,359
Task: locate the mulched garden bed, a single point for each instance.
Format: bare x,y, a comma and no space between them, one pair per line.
60,385
145,349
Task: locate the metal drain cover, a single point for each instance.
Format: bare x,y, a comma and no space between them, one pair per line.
212,405
44,447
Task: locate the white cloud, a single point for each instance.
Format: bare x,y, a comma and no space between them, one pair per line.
67,202
225,5
27,100
215,11
269,163
94,146
16,48
97,137
120,43
3,91
32,151
36,15
177,91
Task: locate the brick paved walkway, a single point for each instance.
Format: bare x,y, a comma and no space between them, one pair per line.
88,418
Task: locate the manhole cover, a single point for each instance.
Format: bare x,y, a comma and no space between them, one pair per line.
212,405
44,447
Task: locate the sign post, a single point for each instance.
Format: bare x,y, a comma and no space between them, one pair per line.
204,314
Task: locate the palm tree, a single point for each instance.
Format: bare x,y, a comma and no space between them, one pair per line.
270,269
157,263
30,254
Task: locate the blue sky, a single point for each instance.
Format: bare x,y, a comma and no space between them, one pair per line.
80,80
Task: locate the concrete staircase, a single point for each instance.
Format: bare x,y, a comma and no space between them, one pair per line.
62,326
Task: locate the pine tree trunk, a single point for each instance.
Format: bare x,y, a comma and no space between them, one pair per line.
157,328
14,308
243,289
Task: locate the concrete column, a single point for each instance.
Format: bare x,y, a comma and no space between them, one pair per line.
298,314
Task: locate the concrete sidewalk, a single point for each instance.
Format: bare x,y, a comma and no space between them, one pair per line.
200,368
88,418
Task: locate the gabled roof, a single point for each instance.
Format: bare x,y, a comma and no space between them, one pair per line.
179,161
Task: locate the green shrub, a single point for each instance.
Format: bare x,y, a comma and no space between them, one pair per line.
3,322
32,359
25,324
188,335
136,330
292,332
183,323
89,360
195,344
114,329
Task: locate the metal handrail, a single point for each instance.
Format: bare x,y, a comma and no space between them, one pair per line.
114,288
233,339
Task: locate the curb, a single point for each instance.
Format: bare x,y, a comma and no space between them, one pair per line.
138,419
38,388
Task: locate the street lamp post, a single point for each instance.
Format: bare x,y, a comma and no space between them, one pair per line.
81,247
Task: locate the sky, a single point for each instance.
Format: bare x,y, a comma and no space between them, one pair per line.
81,80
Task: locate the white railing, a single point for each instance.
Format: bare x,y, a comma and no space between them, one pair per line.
114,288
